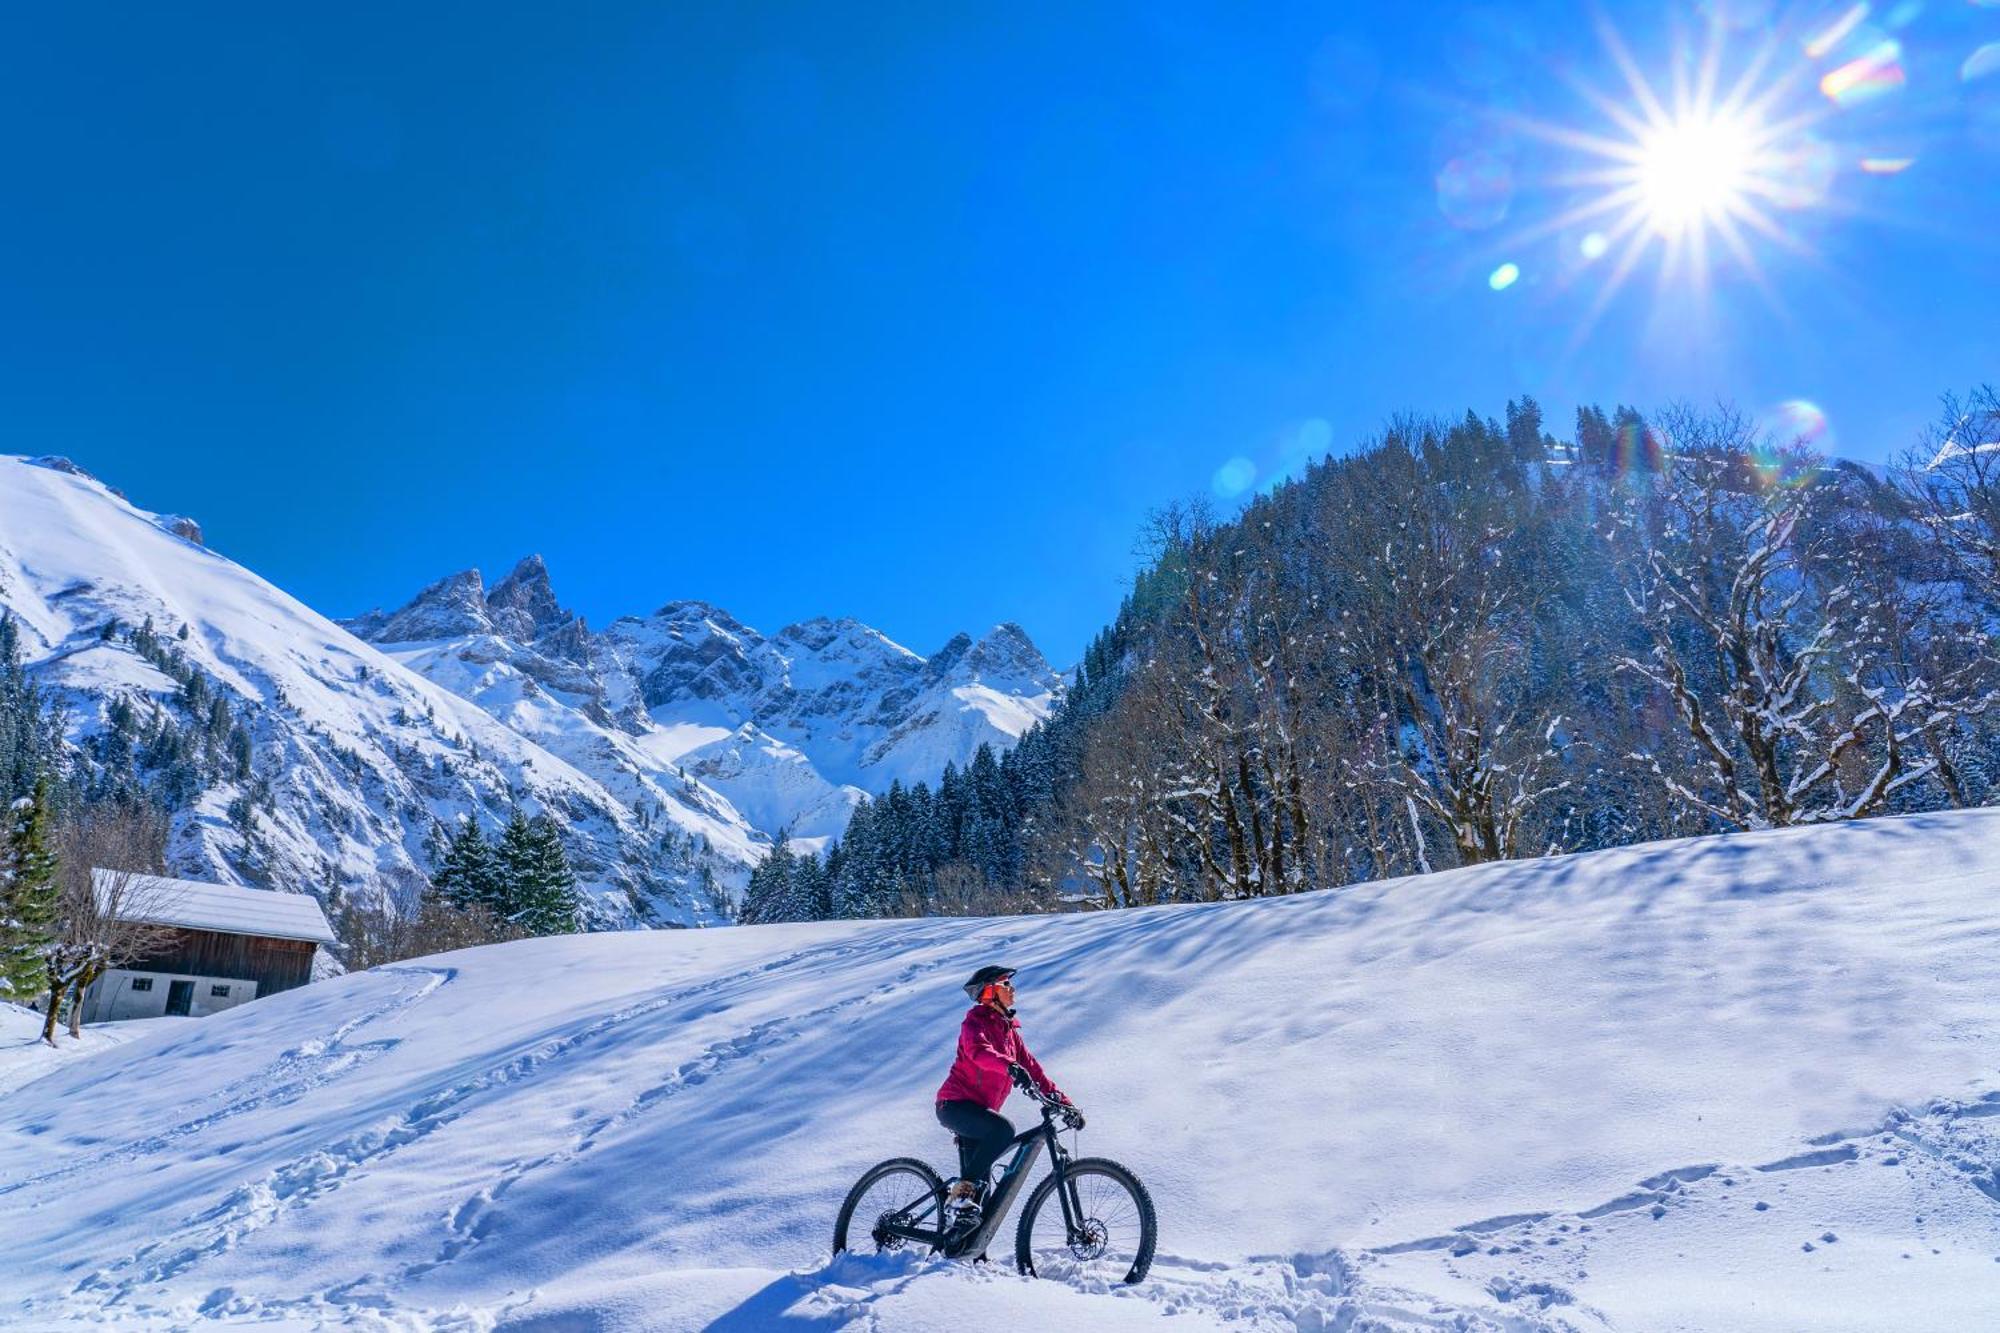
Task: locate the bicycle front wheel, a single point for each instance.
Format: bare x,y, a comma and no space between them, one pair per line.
899,1192
1108,1231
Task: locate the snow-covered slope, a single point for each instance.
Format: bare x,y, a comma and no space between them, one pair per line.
354,759
1742,1083
793,729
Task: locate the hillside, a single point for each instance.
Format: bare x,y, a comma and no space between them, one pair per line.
1743,1082
348,761
296,754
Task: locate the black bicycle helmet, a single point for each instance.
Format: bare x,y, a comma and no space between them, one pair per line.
983,978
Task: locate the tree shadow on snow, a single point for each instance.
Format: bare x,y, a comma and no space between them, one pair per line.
827,1297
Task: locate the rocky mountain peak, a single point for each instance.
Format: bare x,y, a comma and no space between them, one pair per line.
453,606
1004,657
182,526
1007,647
814,634
945,660
58,463
523,605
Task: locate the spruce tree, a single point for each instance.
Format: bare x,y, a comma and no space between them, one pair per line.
544,884
30,732
768,898
28,894
512,856
470,874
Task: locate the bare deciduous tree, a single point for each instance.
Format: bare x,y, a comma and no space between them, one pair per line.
1785,656
402,918
110,860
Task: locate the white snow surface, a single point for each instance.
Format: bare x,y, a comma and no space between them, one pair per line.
1747,1083
24,1056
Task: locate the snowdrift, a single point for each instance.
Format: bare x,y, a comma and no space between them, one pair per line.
1738,1083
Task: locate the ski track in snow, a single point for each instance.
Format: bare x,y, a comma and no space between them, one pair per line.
1399,1168
1526,1263
296,1072
1528,1258
299,1182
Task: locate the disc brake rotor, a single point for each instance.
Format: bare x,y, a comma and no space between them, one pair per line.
1091,1240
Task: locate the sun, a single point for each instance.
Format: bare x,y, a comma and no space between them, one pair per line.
1694,175
1695,172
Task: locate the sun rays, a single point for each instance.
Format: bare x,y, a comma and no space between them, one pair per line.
1692,177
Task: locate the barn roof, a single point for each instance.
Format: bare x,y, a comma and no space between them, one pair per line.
218,907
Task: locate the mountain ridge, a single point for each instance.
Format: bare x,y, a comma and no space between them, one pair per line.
799,724
357,758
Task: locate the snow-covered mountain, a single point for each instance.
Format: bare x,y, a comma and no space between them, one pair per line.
1744,1083
670,749
793,729
347,762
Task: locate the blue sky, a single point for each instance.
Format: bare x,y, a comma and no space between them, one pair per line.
900,313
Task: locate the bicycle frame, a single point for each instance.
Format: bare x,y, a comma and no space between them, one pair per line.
1027,1146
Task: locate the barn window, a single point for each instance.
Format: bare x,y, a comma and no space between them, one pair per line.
221,991
142,983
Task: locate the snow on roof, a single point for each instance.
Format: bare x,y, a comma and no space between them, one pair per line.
219,907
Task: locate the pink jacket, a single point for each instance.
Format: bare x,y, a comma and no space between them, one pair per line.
989,1041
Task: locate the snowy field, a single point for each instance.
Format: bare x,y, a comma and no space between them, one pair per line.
1735,1084
25,1056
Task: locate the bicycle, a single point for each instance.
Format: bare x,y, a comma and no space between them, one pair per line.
1104,1221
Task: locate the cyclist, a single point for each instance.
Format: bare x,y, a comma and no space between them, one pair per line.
990,1055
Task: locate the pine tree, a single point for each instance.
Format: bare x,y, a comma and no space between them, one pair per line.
768,897
544,886
30,732
28,894
470,873
513,855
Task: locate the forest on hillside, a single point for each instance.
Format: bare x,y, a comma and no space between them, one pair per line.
1470,641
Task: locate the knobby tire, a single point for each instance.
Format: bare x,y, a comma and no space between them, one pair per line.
901,1183
1112,1196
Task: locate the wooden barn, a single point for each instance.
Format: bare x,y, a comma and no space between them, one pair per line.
224,946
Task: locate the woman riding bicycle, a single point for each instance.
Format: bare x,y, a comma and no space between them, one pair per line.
991,1055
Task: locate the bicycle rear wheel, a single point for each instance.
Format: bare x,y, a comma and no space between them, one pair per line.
1115,1229
902,1191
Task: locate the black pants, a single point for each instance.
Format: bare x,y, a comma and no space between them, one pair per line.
983,1135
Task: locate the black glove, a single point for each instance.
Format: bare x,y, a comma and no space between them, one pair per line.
1019,1074
1072,1117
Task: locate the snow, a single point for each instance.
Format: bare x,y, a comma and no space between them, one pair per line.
666,744
24,1056
220,907
1544,1094
363,756
689,707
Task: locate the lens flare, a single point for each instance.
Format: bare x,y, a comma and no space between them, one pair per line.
1504,277
1796,423
1867,77
1984,61
1822,43
1235,477
1886,166
1638,450
1474,190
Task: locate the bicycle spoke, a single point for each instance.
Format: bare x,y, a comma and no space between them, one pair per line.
902,1197
1106,1239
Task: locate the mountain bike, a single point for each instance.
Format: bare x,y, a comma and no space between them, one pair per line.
1101,1223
